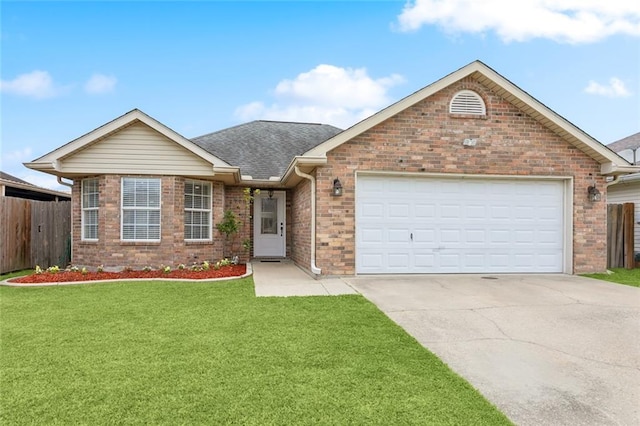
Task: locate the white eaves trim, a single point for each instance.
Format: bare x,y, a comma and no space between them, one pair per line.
52,158
576,137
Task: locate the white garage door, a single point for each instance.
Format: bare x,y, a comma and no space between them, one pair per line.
442,225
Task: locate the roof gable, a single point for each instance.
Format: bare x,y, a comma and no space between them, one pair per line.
54,161
610,162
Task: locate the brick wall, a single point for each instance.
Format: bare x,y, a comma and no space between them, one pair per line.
425,138
172,250
301,224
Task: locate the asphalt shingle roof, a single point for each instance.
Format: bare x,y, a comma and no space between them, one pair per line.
630,142
263,149
7,176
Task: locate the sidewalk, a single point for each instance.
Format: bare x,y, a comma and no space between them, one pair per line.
284,278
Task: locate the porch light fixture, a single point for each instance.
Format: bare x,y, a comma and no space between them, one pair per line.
270,193
594,194
337,187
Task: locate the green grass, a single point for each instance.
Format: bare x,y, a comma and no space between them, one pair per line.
620,275
16,274
196,353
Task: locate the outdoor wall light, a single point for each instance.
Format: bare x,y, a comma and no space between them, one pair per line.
594,194
270,193
337,187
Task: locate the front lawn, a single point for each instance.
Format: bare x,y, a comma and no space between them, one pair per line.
620,275
198,353
16,274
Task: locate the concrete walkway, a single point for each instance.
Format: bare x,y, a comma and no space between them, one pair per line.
284,278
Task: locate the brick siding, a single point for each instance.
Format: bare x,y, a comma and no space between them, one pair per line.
425,138
172,250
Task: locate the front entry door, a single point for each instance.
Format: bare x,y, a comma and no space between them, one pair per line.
269,227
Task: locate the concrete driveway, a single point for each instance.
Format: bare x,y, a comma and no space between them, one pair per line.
545,349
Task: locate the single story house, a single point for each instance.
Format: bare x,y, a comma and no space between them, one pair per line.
468,175
626,189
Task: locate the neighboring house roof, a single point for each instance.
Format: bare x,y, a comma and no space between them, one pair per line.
264,149
7,176
628,148
611,163
12,186
630,142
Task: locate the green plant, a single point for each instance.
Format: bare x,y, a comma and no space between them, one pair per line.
205,265
229,225
147,269
100,268
181,266
166,269
53,269
38,269
84,271
246,244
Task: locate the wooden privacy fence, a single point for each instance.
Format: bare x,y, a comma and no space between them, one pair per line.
620,223
34,233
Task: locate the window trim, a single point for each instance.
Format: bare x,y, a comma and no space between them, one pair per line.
209,210
84,209
123,209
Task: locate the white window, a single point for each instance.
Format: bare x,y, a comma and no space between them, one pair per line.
197,210
467,102
90,202
140,209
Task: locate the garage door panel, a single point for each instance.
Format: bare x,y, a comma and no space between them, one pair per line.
398,260
436,225
424,261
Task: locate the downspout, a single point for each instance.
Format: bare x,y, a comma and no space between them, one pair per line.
314,268
63,183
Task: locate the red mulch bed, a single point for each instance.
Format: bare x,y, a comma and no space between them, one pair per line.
66,276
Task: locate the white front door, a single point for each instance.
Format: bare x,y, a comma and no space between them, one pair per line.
269,227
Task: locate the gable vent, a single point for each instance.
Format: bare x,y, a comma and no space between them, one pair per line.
467,102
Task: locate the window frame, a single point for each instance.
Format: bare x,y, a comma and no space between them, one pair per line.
208,210
84,209
124,208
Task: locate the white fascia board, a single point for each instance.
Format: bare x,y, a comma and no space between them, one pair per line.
303,160
115,125
617,169
228,170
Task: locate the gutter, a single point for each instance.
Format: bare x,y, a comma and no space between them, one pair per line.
625,179
314,268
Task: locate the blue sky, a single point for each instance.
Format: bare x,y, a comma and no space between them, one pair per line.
69,67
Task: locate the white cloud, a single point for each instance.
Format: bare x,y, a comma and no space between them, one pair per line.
326,94
99,84
18,156
566,21
615,88
36,84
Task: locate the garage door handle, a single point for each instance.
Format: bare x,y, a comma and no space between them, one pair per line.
411,236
